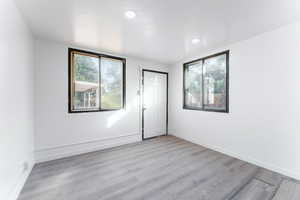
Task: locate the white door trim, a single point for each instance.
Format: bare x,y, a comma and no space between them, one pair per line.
142,101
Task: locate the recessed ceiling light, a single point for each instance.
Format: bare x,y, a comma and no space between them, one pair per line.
130,14
195,41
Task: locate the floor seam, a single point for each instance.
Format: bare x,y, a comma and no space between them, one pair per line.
261,180
238,191
276,190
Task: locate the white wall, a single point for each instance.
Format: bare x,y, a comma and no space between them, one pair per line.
16,89
58,133
263,125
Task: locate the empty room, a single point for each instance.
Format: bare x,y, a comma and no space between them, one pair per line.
150,100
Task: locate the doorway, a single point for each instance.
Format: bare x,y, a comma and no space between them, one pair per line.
154,103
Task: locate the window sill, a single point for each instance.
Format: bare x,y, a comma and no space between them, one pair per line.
91,111
206,110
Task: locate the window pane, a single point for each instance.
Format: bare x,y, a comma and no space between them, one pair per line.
214,70
111,83
193,85
86,82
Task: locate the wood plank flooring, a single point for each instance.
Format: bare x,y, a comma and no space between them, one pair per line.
165,168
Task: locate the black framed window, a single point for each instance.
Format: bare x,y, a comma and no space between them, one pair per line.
96,82
206,83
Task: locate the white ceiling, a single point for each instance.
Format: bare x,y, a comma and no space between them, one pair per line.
162,30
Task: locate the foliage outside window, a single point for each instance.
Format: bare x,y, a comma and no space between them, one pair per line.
96,82
206,83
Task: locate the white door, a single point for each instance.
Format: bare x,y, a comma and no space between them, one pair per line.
154,103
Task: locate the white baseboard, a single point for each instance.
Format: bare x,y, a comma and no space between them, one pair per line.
20,183
248,159
76,149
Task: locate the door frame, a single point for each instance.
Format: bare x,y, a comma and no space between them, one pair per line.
167,102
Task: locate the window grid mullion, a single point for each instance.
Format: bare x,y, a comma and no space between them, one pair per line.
72,81
202,74
100,83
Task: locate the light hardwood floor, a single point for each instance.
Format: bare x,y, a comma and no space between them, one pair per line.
163,168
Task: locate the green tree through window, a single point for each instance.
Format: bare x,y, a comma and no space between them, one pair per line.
205,83
96,82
